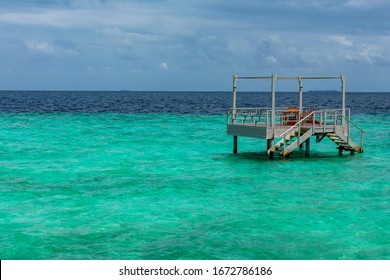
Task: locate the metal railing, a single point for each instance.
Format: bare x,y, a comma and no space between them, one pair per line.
319,120
248,116
298,126
285,117
347,130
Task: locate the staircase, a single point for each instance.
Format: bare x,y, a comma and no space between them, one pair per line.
343,142
292,138
297,134
290,141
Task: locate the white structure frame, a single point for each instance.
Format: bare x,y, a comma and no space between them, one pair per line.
271,123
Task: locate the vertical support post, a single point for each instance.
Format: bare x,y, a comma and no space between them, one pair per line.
235,137
273,103
343,99
307,147
234,98
300,97
270,143
300,107
325,120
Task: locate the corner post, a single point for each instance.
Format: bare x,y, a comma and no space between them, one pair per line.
300,107
300,97
235,137
343,99
234,98
273,103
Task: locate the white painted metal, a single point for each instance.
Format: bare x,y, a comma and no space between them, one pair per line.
270,123
288,77
273,101
256,78
300,105
234,96
300,96
343,98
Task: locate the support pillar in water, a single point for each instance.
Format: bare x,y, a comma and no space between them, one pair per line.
270,143
307,147
235,144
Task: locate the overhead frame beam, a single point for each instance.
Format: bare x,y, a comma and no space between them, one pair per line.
287,77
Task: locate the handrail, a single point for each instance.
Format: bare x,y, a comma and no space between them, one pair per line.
279,109
264,113
247,116
298,123
349,131
299,130
361,130
247,109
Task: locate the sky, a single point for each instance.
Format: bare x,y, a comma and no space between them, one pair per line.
191,45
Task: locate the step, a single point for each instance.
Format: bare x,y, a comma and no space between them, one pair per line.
290,136
345,147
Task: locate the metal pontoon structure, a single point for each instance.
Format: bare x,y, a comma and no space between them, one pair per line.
294,126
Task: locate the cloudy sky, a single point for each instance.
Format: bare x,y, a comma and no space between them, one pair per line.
190,44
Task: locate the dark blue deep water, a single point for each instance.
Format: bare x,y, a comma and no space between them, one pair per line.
208,103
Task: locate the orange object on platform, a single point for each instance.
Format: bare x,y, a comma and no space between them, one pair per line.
290,116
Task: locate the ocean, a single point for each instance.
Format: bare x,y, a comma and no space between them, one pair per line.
152,176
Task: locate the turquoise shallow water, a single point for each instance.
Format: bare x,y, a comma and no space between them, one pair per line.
163,186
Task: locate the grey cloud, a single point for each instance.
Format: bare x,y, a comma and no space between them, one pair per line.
195,37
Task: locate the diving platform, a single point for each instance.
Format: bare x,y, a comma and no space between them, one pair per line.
287,129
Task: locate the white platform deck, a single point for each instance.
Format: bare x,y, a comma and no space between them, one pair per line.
256,122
